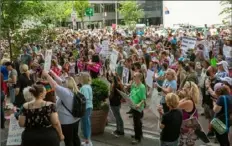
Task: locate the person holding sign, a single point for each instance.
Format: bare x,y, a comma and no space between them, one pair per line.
138,97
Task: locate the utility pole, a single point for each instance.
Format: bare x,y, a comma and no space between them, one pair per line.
116,13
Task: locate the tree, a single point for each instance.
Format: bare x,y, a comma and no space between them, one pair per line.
55,11
131,12
80,7
227,10
13,13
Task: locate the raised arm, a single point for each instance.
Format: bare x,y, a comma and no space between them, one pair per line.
49,79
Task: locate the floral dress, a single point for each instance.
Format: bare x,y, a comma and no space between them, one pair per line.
38,127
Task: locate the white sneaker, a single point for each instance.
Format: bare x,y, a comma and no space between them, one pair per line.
87,144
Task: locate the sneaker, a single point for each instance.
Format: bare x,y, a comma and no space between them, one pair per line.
121,133
210,134
87,144
134,142
115,133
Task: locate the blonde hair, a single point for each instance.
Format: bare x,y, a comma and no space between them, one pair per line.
193,91
27,94
173,73
71,84
172,100
85,78
23,68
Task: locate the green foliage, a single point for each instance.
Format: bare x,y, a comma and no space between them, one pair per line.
131,12
80,6
227,10
15,12
100,93
55,11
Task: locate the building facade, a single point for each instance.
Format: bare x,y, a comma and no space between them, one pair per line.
105,13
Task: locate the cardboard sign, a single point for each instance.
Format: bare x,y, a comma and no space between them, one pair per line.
15,132
105,48
114,26
113,60
48,59
149,78
125,76
188,43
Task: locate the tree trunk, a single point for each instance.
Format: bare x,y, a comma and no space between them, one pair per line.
82,21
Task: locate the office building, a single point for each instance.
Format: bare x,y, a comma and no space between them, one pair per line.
105,13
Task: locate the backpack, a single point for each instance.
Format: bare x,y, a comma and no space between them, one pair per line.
79,105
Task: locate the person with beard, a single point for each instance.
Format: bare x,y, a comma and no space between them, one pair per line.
190,74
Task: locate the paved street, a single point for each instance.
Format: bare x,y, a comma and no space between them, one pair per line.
150,130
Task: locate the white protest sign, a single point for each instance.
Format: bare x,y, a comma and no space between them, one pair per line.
125,75
155,102
15,132
227,51
129,101
188,43
113,60
149,78
48,58
105,48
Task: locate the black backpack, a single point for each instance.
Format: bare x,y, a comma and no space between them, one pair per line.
79,105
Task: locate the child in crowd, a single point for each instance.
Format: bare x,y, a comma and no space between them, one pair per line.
171,122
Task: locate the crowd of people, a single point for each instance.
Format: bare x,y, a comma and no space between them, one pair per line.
44,99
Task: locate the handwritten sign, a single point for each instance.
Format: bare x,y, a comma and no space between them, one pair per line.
149,78
125,75
188,43
15,132
113,60
105,48
48,58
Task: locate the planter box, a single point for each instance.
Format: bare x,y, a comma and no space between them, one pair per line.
98,121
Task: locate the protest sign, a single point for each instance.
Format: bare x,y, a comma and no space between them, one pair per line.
129,101
155,102
105,48
149,78
125,75
48,58
188,43
113,60
15,132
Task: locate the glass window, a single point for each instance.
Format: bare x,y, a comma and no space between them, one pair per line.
109,7
97,8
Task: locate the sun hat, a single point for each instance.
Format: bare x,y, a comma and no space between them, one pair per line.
218,86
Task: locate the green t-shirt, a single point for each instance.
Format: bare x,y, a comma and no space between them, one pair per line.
138,93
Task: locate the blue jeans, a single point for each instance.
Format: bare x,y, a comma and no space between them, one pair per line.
118,117
12,94
86,123
174,143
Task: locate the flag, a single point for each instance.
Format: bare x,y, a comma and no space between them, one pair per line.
166,11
